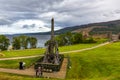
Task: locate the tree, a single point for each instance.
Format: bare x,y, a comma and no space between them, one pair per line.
64,39
4,42
89,40
16,43
77,38
23,41
71,38
33,42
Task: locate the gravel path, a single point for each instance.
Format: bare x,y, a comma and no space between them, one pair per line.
31,72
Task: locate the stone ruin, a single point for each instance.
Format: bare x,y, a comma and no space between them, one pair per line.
109,35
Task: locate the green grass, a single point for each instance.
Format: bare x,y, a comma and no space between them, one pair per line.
76,47
7,76
102,63
30,52
81,46
14,64
101,40
26,52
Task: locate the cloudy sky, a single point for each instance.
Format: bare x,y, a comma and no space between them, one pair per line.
29,16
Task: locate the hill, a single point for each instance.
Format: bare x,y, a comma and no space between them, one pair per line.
93,28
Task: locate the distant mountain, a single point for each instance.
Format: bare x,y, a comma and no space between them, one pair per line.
93,28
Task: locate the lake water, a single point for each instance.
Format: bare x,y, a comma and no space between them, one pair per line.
40,38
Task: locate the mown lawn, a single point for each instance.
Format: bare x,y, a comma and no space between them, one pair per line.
14,64
102,63
7,76
76,47
81,46
30,52
26,52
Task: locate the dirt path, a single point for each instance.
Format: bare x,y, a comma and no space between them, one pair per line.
20,57
60,52
31,72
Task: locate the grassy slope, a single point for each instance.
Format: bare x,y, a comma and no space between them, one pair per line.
30,52
99,64
102,63
27,52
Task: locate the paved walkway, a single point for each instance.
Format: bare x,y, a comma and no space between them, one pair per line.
31,72
60,52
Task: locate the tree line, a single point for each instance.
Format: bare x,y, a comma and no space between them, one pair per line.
18,42
71,38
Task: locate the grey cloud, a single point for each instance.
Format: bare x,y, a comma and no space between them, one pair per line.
23,9
66,12
28,26
4,22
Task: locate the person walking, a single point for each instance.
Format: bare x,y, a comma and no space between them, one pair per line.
23,65
39,72
20,65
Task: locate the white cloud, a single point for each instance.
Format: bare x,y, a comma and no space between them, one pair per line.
60,17
76,12
26,26
18,13
17,27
